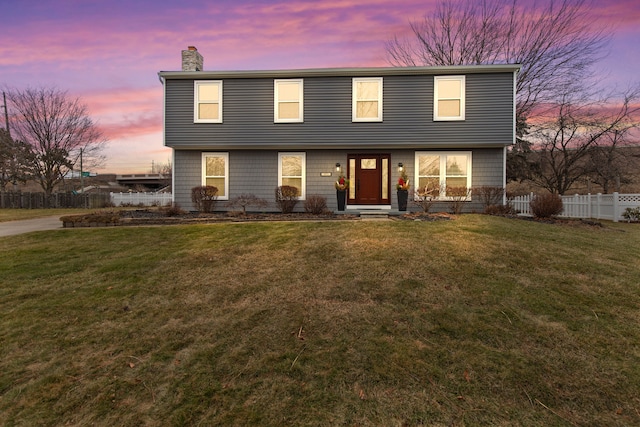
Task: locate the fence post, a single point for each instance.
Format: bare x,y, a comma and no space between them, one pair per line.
616,207
531,196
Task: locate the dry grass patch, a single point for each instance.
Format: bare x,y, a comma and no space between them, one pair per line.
20,214
478,321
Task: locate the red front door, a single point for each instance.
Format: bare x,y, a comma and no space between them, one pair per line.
369,174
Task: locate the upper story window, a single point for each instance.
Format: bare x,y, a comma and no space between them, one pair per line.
215,172
292,171
207,101
449,97
288,101
367,99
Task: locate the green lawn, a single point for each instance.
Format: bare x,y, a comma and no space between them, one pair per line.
478,321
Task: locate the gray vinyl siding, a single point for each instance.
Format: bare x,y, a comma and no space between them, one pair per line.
187,173
407,116
252,139
256,172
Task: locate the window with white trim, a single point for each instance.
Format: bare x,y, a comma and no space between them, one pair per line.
437,171
292,170
215,172
288,101
449,97
367,99
207,101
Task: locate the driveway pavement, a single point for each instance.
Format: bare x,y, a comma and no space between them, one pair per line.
12,228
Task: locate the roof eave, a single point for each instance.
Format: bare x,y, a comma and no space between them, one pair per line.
341,72
332,146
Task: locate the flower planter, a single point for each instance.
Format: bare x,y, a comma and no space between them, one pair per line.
403,196
341,195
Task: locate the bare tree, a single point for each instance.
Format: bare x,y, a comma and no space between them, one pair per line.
58,130
571,131
162,168
612,161
165,170
554,42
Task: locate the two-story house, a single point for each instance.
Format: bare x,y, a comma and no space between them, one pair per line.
248,132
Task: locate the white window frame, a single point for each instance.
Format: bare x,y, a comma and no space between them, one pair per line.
277,101
303,157
196,100
225,156
443,169
436,98
354,99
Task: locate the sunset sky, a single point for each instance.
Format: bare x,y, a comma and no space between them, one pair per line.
108,53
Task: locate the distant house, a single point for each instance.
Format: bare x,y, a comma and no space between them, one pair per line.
252,131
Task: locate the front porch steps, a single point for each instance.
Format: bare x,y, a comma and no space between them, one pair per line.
374,215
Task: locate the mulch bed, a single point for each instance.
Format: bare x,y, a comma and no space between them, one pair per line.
162,217
159,217
137,217
148,216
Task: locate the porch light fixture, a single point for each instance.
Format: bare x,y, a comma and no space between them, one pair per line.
337,167
400,167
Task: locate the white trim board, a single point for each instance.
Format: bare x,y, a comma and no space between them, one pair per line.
369,207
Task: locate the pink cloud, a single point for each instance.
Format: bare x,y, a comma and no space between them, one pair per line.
110,52
137,126
131,120
619,14
128,99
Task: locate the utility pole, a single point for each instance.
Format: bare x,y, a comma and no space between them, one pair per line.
6,114
84,198
6,122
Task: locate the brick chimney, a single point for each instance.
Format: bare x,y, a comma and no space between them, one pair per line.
191,59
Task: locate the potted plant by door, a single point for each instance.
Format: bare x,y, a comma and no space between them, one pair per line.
403,191
342,185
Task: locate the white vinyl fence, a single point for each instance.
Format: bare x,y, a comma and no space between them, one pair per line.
597,206
144,199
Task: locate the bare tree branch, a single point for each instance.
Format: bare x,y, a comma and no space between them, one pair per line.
56,128
555,43
15,160
609,159
570,137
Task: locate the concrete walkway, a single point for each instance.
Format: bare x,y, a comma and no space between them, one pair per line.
12,228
